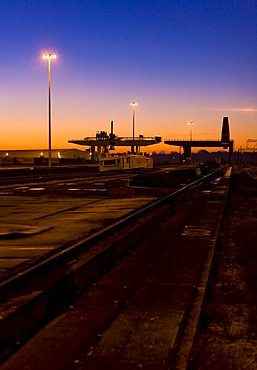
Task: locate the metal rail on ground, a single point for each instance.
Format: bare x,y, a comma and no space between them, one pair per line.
170,199
97,253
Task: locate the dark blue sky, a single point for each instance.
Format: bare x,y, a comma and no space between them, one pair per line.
181,60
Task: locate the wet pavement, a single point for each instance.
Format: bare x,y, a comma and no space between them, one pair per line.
34,226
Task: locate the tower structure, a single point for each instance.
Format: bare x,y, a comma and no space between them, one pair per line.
224,142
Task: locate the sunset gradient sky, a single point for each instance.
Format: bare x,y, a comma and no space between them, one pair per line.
181,61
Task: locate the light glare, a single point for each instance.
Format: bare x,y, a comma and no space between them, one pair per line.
49,56
133,104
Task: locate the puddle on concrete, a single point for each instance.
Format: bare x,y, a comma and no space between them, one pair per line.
206,191
36,189
197,231
96,190
16,231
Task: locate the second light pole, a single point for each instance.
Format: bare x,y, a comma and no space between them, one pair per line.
133,104
190,123
49,57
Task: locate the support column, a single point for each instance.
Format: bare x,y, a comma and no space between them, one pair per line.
99,151
230,151
187,154
92,153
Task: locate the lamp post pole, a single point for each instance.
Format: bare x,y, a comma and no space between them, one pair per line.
133,104
49,57
190,123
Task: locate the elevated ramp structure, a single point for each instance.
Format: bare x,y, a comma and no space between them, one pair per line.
104,145
224,142
105,142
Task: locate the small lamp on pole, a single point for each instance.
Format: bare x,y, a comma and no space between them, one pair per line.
190,124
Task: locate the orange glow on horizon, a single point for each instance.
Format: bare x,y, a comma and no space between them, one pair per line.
31,133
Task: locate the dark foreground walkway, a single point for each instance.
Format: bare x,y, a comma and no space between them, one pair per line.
142,315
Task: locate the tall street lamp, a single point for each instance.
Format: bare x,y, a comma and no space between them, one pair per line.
133,104
49,57
190,123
